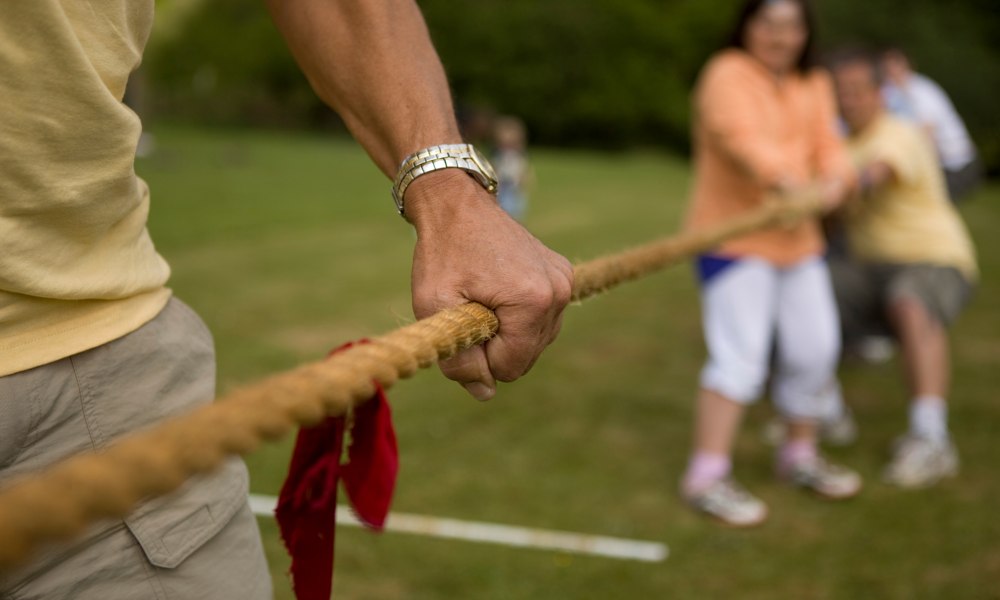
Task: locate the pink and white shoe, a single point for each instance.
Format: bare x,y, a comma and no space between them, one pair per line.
729,503
827,480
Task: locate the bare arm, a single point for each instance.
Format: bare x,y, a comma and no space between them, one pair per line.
875,176
373,62
871,179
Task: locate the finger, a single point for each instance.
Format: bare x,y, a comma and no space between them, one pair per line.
517,342
470,369
562,289
562,292
552,338
528,328
560,274
559,262
565,267
556,329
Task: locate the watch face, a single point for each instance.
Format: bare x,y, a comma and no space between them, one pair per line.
484,165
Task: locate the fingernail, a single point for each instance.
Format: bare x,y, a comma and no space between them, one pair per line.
479,391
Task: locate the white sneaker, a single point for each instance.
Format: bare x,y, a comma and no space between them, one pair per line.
920,462
830,481
774,432
729,503
842,431
876,349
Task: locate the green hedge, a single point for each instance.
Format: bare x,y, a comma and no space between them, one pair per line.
605,73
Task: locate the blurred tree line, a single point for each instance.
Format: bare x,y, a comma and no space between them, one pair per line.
607,73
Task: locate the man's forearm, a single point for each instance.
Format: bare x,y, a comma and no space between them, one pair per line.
373,62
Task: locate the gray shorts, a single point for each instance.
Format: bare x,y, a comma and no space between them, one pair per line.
865,290
964,181
199,542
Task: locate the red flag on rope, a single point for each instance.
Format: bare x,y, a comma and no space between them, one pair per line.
307,506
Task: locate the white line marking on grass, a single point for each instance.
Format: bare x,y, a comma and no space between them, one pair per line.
506,535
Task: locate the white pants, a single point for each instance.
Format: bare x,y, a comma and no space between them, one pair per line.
752,304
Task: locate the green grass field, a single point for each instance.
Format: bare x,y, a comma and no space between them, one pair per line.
289,246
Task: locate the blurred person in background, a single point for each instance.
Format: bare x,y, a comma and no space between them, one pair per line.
917,98
92,343
765,126
912,264
511,164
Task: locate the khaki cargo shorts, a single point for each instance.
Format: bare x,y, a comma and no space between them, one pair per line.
199,542
864,290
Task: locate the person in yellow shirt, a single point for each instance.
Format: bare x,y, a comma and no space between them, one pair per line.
912,263
92,343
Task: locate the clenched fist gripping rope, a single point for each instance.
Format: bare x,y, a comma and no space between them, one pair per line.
60,502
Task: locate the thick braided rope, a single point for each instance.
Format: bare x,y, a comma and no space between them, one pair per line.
599,275
58,503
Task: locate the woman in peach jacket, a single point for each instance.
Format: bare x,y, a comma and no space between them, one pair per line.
765,128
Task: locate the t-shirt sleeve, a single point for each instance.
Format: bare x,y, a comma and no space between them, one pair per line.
729,113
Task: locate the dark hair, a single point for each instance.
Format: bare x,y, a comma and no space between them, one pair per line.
852,54
750,9
898,50
894,49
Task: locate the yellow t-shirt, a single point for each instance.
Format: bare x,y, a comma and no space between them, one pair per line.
77,266
911,220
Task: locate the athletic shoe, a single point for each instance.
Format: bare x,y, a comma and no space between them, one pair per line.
833,482
774,432
920,462
729,503
876,349
842,431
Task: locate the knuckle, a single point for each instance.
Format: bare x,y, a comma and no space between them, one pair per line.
565,262
508,365
428,299
424,295
543,297
464,366
539,295
453,370
506,375
562,292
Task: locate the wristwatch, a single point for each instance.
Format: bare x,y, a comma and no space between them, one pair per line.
445,156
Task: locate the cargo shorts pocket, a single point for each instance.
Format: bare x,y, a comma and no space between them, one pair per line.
172,527
162,370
